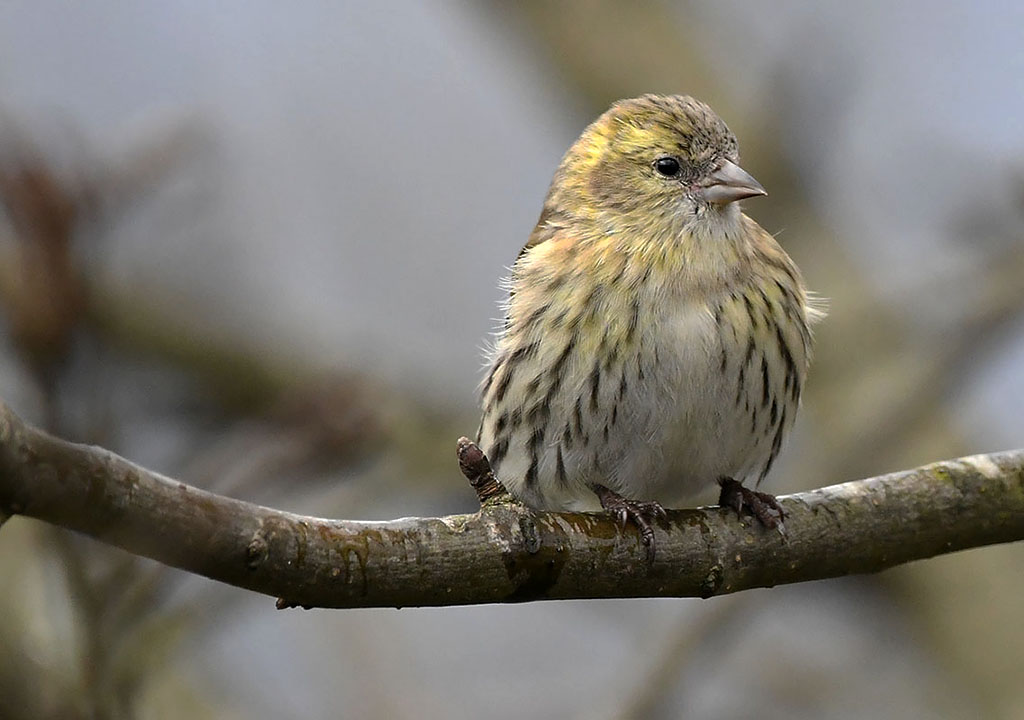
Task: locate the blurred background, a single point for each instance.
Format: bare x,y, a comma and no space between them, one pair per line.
256,246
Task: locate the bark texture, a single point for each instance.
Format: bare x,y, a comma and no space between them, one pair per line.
505,552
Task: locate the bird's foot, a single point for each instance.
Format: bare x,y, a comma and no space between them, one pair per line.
759,504
642,514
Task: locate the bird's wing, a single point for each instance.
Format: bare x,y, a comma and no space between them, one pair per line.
545,228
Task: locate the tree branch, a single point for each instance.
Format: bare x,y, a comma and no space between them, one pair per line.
505,552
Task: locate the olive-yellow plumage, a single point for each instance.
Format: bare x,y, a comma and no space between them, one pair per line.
656,338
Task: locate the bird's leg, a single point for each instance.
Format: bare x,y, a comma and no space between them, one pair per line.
642,514
759,504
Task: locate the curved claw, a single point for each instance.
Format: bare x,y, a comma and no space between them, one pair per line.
761,505
640,513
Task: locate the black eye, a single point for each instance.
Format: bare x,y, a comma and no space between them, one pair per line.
667,166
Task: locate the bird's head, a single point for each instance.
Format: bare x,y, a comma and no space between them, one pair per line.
655,158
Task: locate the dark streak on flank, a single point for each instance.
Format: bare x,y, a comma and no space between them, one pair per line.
534,444
523,352
556,371
506,379
787,359
634,321
795,312
559,319
557,282
499,426
608,350
764,381
498,362
741,383
536,315
593,298
618,275
740,386
779,264
533,385
776,446
788,295
766,306
575,322
750,310
518,355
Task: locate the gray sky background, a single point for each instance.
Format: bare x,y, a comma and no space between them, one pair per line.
374,167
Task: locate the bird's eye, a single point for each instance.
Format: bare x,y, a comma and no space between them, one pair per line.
667,166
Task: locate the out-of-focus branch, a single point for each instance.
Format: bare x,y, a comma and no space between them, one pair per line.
505,552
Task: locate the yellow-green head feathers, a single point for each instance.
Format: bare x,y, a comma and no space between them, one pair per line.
649,152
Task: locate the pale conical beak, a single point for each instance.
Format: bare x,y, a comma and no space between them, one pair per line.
728,183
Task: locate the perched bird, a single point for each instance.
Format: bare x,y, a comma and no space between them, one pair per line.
656,338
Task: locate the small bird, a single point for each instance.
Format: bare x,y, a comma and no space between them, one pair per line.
656,338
